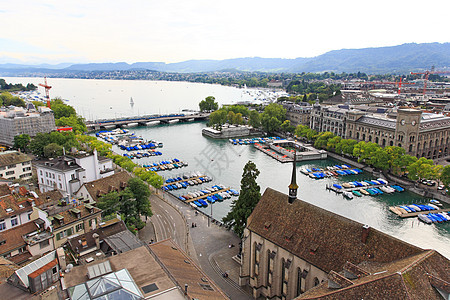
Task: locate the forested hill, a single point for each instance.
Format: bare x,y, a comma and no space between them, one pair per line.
396,59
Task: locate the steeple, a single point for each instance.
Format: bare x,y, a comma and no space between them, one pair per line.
293,186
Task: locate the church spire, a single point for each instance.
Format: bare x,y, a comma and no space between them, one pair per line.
293,186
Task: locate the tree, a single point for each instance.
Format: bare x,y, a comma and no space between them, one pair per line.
381,159
217,119
445,176
209,104
21,142
53,150
74,121
141,193
248,198
254,119
333,142
273,116
109,203
61,110
322,139
420,169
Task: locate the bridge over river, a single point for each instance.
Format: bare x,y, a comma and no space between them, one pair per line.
143,120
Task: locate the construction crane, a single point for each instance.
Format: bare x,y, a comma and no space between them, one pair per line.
47,91
395,83
425,77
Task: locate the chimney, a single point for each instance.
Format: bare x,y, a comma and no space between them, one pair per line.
185,288
365,233
97,240
293,186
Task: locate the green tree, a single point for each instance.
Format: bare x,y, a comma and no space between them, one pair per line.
287,127
445,176
333,142
273,116
60,109
248,198
380,159
254,119
420,168
141,193
109,203
322,139
21,142
53,150
74,121
209,104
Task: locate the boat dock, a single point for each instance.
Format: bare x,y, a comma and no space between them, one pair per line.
206,195
182,180
270,152
415,214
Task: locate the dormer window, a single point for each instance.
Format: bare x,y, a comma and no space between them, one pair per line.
267,225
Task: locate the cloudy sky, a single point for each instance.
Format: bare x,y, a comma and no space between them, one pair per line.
44,31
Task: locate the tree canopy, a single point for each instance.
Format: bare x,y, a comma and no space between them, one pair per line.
273,116
209,104
248,198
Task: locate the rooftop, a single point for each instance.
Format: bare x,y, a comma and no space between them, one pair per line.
12,157
105,185
62,163
13,237
68,216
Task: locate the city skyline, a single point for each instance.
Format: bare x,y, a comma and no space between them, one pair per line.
173,31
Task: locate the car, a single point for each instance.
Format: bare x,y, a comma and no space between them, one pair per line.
441,187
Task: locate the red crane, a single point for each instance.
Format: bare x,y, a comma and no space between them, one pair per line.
399,83
427,73
47,91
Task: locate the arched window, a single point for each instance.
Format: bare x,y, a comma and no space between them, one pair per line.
376,140
391,143
400,145
357,135
370,138
410,148
418,146
384,142
364,137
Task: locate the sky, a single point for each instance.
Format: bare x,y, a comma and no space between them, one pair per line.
56,31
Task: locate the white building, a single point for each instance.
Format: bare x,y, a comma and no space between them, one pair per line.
15,165
68,173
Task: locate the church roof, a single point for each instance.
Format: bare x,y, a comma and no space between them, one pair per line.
322,238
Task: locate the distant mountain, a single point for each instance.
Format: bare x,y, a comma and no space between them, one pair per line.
396,59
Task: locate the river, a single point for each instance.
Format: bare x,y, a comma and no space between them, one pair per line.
224,161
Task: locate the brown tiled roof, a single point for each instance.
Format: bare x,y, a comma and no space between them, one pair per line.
321,237
7,159
7,267
49,197
414,277
184,271
70,217
21,258
17,204
76,242
4,190
43,269
101,186
13,237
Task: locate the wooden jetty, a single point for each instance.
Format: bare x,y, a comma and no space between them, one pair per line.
183,180
415,214
206,195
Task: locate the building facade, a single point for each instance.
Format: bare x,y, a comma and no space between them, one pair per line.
68,173
15,165
15,121
298,114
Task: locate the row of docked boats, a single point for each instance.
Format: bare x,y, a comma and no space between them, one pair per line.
324,174
165,165
142,154
434,217
143,146
250,141
212,194
411,208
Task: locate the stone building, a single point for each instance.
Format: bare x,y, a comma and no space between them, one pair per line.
293,249
420,134
16,120
298,114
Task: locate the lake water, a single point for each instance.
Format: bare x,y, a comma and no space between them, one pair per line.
224,161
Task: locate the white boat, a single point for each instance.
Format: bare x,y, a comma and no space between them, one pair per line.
348,195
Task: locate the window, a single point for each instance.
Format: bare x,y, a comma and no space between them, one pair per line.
11,166
44,244
26,169
59,177
14,222
316,281
29,216
9,173
2,226
41,172
79,227
26,163
53,175
46,174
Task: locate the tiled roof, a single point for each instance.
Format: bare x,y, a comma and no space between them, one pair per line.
13,237
21,258
48,197
76,243
377,122
415,277
184,270
7,267
103,186
13,205
321,237
43,269
11,158
62,164
70,217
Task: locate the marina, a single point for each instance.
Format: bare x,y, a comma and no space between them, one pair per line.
165,165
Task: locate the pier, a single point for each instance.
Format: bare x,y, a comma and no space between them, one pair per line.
143,120
206,195
415,214
182,180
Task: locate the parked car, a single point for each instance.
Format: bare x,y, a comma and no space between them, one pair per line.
441,187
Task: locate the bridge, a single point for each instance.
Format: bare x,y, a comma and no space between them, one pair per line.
143,120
